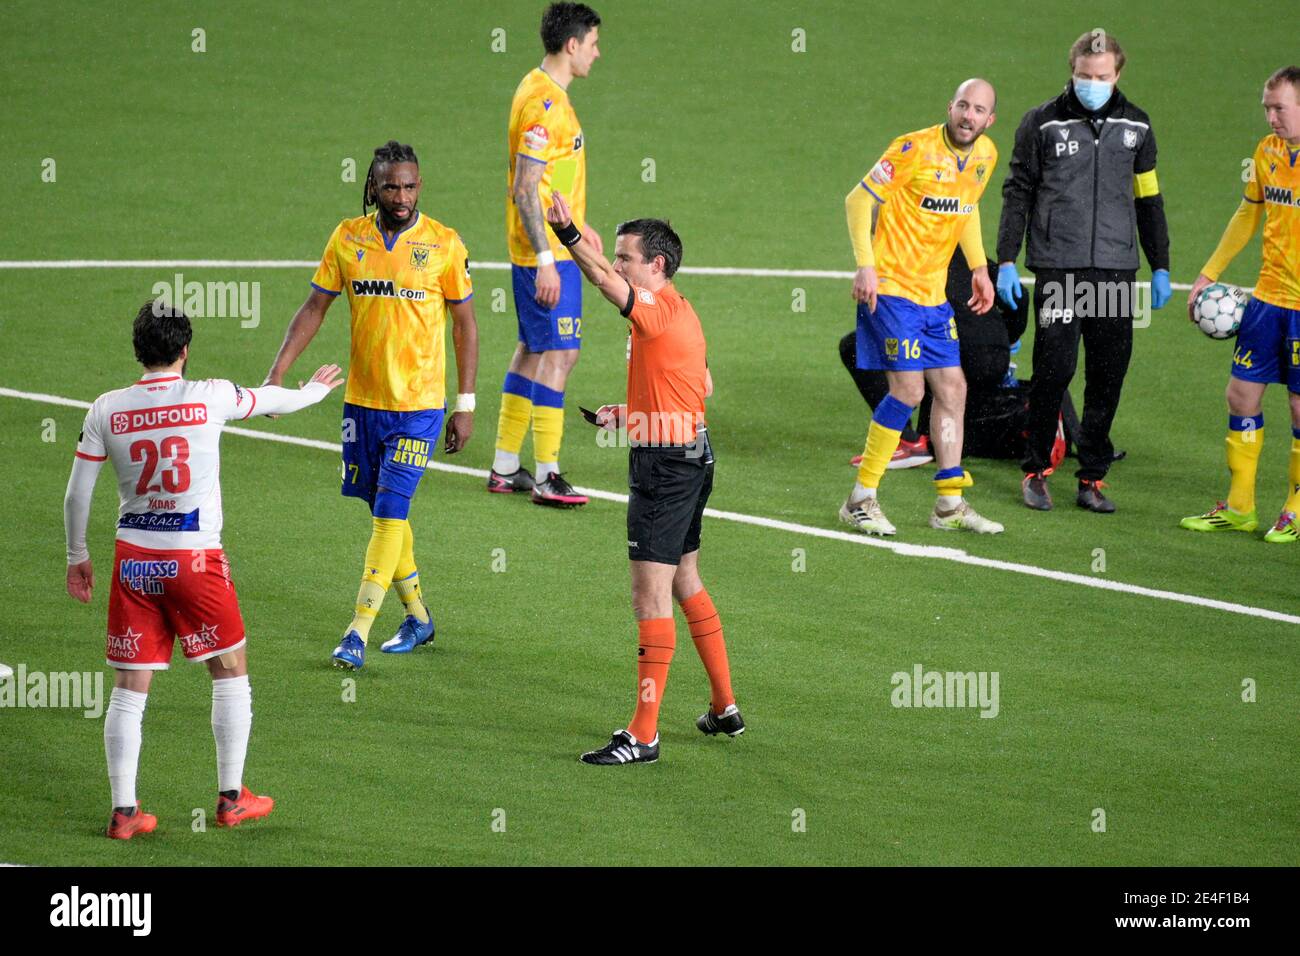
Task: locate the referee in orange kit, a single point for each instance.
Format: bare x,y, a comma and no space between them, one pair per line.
670,471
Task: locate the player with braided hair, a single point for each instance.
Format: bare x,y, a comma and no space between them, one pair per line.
402,272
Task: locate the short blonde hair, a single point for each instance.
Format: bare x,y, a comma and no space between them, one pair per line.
1094,42
1288,74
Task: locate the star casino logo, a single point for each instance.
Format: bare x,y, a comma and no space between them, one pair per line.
205,639
126,646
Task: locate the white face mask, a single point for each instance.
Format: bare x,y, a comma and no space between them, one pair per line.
1093,94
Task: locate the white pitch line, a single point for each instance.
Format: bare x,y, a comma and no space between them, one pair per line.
488,266
903,549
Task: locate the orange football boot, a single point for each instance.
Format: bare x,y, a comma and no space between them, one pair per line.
123,827
247,806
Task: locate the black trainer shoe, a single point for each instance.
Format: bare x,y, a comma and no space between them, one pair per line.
557,493
518,480
623,748
728,722
1034,490
1090,496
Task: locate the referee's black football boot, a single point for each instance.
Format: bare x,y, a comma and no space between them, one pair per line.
557,493
521,479
1091,498
623,748
1034,490
728,722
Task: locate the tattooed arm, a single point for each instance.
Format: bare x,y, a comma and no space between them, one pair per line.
528,176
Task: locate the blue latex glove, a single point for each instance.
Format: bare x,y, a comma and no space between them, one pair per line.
1010,290
1161,290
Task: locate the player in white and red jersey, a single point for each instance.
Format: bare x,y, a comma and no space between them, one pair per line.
170,575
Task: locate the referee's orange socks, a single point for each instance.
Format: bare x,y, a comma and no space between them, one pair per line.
657,639
706,630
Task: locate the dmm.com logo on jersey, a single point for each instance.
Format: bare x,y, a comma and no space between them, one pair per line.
946,204
385,288
164,416
146,577
1281,196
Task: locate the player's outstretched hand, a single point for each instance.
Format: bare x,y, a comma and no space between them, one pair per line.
558,214
331,376
1198,287
81,580
865,284
610,417
981,288
458,432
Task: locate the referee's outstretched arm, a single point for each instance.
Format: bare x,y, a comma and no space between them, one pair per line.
593,265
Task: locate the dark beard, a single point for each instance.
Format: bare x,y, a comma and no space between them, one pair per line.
391,226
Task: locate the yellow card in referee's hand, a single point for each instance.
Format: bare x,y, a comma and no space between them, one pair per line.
563,173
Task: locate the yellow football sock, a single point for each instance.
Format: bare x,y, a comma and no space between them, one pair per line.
406,578
548,430
512,423
882,442
947,484
1243,460
1293,476
382,555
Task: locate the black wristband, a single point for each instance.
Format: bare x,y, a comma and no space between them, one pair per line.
568,234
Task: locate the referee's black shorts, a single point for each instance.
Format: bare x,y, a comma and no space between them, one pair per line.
669,487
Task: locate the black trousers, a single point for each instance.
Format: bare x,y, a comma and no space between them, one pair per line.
1097,306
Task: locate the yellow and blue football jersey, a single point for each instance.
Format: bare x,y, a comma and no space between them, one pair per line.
544,129
928,189
1276,183
398,291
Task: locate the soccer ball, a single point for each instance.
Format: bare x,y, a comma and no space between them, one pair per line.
1218,310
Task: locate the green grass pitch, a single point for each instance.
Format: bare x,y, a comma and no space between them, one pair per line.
466,755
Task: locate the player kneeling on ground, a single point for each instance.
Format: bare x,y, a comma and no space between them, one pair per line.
170,575
670,471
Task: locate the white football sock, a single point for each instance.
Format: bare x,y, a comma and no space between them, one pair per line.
122,736
947,503
859,492
545,468
232,719
506,463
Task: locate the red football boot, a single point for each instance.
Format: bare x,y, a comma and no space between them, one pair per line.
123,827
247,806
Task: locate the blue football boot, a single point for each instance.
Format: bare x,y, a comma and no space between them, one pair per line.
351,652
410,635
